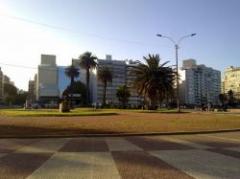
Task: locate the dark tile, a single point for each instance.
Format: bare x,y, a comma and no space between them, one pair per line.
21,165
139,164
10,145
85,145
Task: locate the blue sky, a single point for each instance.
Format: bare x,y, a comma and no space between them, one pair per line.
124,28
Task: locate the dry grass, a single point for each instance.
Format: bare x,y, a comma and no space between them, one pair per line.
126,121
54,112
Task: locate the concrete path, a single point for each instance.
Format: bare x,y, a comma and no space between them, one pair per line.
191,156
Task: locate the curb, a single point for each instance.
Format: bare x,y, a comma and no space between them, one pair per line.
120,134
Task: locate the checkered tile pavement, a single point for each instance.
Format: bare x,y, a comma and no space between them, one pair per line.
195,156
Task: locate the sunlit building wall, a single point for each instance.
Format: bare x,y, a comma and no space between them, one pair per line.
118,69
202,84
47,79
134,100
231,81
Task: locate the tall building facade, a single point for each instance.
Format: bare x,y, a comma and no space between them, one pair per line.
51,80
202,84
31,91
231,81
47,79
118,69
134,100
4,79
64,80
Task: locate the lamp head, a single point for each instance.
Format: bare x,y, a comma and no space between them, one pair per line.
193,34
159,35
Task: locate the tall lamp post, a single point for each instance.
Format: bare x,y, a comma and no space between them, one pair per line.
176,45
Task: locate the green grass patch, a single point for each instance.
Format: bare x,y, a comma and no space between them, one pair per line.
54,112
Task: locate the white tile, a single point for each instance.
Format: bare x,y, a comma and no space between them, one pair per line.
186,142
201,164
78,165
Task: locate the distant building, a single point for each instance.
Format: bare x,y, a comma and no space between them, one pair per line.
47,79
231,81
31,91
51,81
182,88
202,84
82,78
64,80
134,100
118,69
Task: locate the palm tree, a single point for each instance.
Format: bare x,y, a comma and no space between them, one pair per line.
153,80
123,94
79,88
105,76
88,62
72,72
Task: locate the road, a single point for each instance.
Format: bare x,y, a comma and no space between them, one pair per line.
184,156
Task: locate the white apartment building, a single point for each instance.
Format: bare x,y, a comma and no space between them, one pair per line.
121,76
47,79
202,84
51,80
231,81
118,69
134,100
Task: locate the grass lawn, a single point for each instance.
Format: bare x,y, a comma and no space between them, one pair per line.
54,112
125,121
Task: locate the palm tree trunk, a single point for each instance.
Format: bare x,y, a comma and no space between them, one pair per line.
87,82
71,91
153,103
104,93
123,104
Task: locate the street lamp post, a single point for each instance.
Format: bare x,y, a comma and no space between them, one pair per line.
176,46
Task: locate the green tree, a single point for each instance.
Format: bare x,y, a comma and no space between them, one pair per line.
231,99
10,89
123,95
104,75
222,98
10,93
72,72
88,62
21,97
154,81
78,88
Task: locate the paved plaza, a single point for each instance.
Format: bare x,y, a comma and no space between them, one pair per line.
184,156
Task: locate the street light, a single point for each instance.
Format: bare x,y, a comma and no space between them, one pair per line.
176,45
